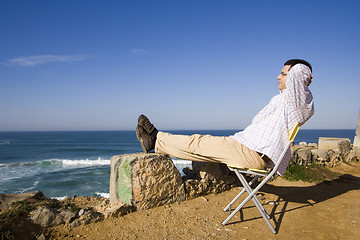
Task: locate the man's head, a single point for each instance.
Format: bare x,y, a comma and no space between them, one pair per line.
287,66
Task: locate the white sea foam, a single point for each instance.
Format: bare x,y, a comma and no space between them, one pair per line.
64,162
86,162
60,198
4,142
30,188
104,195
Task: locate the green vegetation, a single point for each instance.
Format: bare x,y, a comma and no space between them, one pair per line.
312,173
72,206
11,216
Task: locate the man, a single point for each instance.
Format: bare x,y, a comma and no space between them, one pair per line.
260,144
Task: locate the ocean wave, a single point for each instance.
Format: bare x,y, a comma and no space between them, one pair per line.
4,142
59,198
60,162
75,162
30,188
86,162
42,162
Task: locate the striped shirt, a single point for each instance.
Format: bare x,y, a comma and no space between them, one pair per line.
268,132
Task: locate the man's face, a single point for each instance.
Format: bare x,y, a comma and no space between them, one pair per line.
282,77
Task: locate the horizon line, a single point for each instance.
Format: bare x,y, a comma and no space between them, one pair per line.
165,130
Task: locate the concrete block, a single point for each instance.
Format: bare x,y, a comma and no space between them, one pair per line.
340,145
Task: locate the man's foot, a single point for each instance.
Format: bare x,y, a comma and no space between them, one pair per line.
147,125
146,140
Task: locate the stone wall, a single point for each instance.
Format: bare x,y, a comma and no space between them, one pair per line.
328,152
206,178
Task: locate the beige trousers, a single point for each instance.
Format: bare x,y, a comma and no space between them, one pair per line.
207,148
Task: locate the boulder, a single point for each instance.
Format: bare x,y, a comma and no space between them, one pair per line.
340,145
117,210
67,216
46,217
320,156
213,170
114,210
352,156
145,180
303,156
335,159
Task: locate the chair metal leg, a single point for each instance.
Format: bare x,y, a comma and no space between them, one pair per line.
228,207
257,203
252,196
249,190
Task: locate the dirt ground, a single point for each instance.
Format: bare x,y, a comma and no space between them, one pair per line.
328,210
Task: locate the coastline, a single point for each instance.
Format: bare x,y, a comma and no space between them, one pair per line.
326,210
56,162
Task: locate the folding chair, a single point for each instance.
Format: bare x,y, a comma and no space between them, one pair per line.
241,172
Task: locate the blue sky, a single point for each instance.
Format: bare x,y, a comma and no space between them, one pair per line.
97,65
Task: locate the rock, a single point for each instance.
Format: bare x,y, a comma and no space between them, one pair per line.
357,141
88,217
320,156
75,223
357,136
46,217
357,153
81,212
303,143
204,175
49,217
41,237
204,186
313,145
335,159
215,170
117,210
67,216
145,180
340,145
7,199
352,156
304,157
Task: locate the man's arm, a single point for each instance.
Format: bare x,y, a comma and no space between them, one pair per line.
299,100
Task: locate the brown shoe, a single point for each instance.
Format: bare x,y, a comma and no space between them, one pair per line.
146,124
146,140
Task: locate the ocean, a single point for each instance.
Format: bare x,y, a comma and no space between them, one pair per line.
66,163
